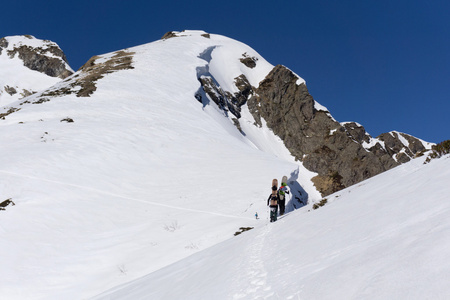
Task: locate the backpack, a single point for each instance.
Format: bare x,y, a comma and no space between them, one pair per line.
282,192
274,199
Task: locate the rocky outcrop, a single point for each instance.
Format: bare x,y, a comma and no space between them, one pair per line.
402,147
225,100
3,44
26,57
356,132
172,34
48,59
312,136
10,90
169,35
439,150
341,154
83,84
248,61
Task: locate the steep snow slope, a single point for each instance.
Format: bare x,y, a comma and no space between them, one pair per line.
385,238
18,81
144,176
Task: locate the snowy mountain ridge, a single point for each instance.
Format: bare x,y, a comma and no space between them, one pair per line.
120,180
29,65
230,74
146,156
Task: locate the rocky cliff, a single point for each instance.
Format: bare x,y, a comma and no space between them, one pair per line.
342,154
42,56
29,65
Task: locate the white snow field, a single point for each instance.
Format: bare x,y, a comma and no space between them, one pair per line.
385,238
145,175
140,197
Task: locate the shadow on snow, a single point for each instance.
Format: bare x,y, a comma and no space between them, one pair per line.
298,196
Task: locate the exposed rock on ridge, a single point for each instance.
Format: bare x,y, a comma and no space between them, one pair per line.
172,34
29,65
83,84
395,145
48,59
227,101
341,154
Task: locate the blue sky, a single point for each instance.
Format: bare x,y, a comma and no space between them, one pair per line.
384,64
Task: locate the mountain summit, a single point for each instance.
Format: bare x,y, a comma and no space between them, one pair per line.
236,78
150,154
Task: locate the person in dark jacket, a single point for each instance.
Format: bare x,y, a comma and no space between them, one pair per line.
272,202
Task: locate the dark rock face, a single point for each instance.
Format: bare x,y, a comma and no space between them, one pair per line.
339,153
313,136
249,62
223,99
168,35
227,101
245,89
48,59
10,90
172,34
396,148
357,132
3,44
38,59
84,83
38,55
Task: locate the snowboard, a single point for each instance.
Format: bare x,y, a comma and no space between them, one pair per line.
275,182
274,193
283,196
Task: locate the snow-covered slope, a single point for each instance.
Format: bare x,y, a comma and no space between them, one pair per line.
118,172
138,175
386,238
17,80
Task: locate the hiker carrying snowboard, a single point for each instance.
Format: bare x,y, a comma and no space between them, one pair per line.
283,191
272,202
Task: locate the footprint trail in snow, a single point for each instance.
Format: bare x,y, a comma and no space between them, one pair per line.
252,273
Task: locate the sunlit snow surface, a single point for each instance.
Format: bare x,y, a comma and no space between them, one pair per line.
385,238
135,197
144,176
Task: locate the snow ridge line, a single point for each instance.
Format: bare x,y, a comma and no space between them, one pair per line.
127,198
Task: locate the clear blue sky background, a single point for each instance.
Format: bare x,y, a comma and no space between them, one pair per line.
382,63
